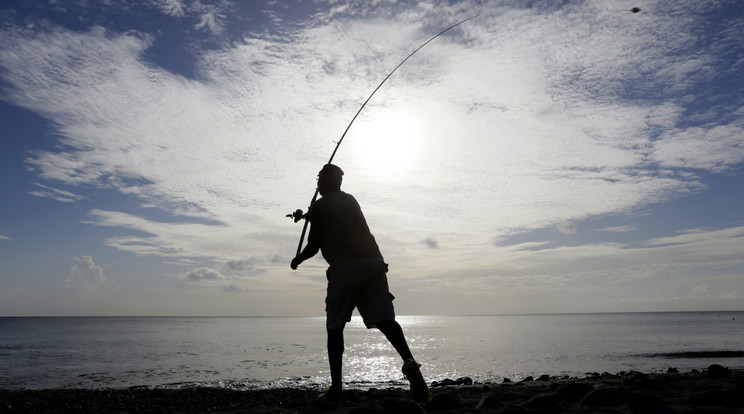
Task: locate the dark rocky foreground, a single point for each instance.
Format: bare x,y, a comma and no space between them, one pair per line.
715,390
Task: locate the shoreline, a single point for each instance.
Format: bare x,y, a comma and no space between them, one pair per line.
714,390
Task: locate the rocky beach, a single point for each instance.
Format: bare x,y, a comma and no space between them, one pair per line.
713,390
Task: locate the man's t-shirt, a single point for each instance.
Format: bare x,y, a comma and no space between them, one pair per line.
340,229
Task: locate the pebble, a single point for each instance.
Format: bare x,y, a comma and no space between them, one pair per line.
717,390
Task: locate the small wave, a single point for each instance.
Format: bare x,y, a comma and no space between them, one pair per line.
697,354
306,382
302,382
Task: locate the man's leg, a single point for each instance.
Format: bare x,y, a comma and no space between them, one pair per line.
335,357
411,369
394,333
375,304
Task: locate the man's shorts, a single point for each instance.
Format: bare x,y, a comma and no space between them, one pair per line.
358,283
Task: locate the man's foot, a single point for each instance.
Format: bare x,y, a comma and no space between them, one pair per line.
333,395
412,372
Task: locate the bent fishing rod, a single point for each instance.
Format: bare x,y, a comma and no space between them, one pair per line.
298,215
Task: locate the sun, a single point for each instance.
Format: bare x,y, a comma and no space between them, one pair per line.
388,140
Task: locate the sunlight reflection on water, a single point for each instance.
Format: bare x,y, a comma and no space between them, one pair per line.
272,352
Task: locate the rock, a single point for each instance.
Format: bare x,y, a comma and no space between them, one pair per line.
575,391
645,384
656,382
672,370
391,404
716,397
402,406
489,401
716,371
667,378
448,400
515,409
513,395
636,375
646,404
443,383
630,377
450,382
608,396
549,402
528,379
544,377
464,381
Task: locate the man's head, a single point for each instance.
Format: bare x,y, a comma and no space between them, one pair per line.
329,179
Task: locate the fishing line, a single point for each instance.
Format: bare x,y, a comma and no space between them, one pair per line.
298,214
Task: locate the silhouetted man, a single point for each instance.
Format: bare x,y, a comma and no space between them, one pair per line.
356,277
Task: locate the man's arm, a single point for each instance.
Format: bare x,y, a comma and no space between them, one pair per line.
313,244
309,251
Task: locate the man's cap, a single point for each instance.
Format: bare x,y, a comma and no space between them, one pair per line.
331,170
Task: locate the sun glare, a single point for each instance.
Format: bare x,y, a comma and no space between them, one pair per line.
389,141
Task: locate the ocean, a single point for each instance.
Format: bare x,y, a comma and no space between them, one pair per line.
250,353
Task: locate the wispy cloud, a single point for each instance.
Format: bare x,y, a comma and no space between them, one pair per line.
703,291
617,229
174,8
716,148
229,143
211,17
242,264
519,124
63,196
233,288
570,276
100,76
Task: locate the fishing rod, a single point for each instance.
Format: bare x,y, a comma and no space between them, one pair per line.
298,215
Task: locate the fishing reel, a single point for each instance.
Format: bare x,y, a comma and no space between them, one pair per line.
297,215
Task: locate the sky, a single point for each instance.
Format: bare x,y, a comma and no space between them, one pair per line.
543,157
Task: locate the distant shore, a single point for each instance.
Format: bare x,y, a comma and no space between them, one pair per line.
714,390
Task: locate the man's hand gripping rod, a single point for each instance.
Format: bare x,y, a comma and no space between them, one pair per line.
298,215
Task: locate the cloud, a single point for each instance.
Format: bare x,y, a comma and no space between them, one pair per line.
174,8
617,229
2,237
192,238
84,273
204,274
55,194
151,118
700,291
717,148
566,228
732,294
242,264
211,17
524,124
697,254
703,292
234,289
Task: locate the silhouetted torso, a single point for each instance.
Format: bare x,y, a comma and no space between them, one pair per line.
339,228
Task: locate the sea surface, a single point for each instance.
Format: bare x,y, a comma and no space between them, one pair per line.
248,353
